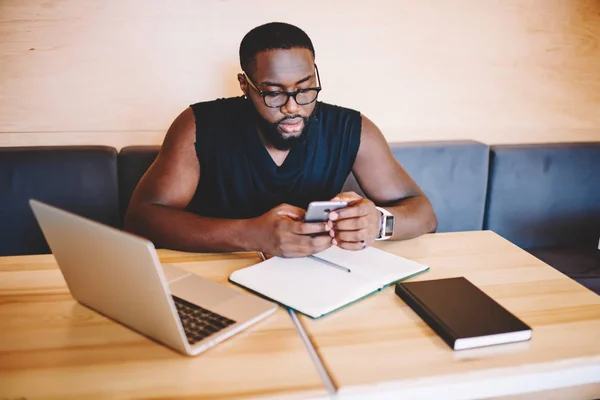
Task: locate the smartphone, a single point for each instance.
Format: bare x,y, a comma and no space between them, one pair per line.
318,211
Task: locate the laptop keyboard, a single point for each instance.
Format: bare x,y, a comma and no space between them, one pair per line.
199,323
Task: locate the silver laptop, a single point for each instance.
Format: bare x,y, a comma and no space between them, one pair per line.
119,275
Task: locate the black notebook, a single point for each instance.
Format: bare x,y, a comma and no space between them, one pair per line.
463,315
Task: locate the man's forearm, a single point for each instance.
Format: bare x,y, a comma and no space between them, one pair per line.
413,217
180,230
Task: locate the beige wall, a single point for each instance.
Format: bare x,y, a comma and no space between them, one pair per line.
117,72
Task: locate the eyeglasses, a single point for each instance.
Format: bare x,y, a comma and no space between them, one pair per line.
280,98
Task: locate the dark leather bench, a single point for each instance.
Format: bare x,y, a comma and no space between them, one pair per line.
453,175
545,198
80,179
133,163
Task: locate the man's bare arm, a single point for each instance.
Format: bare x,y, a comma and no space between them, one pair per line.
385,184
388,185
157,208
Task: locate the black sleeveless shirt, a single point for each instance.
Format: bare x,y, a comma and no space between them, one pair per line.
238,177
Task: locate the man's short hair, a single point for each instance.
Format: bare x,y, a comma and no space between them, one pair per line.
271,36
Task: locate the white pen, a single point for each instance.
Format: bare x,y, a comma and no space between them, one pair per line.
330,263
263,258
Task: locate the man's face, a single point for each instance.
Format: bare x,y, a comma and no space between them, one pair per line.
282,70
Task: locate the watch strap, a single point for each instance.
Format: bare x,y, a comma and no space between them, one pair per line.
382,223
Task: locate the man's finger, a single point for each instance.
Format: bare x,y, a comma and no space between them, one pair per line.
309,228
351,236
308,247
351,224
352,211
348,197
290,211
351,245
320,243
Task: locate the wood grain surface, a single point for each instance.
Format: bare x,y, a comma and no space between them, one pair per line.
116,73
380,344
53,347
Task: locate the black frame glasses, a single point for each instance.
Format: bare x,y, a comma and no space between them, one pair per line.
273,99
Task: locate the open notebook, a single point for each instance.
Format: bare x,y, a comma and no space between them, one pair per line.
315,287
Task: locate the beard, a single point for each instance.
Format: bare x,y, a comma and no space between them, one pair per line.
276,138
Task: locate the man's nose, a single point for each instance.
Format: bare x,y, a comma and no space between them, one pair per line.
291,107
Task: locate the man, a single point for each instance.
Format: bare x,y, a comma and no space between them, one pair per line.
237,174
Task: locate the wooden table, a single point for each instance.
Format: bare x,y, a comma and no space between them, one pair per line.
379,345
52,347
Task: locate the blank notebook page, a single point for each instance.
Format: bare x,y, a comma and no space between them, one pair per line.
308,285
374,264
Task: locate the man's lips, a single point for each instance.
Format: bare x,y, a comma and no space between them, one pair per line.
292,125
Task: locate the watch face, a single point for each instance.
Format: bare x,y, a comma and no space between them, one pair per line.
389,226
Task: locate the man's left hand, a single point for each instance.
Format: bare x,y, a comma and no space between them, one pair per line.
356,226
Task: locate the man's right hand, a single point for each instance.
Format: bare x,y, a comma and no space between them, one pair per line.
283,233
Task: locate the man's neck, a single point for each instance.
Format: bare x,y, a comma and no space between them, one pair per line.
277,155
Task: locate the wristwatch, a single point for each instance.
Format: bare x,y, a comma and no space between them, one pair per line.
386,226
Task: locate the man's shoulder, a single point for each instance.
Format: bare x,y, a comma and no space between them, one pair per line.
333,118
219,121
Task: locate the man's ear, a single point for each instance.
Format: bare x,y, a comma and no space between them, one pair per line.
243,83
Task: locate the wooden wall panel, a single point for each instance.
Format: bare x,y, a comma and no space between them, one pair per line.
118,71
